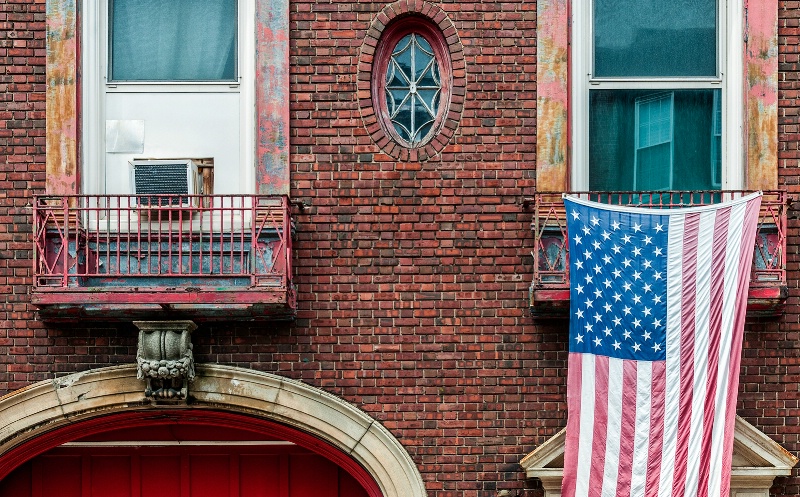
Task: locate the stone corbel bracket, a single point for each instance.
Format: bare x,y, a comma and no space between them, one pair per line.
164,358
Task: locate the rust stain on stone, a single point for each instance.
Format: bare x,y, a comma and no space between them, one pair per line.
62,98
762,95
552,119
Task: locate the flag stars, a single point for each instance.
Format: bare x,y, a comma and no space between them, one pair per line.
646,287
637,323
595,221
579,289
626,238
626,262
597,269
577,239
598,293
637,251
626,334
607,283
607,331
597,317
626,310
616,248
596,245
637,299
606,259
648,240
587,255
637,275
646,311
617,321
646,335
615,225
617,297
656,299
579,338
659,228
606,235
588,278
616,272
656,347
636,347
579,314
598,342
637,227
588,327
589,303
627,286
586,230
658,251
608,307
657,275
617,345
657,323
576,215
647,264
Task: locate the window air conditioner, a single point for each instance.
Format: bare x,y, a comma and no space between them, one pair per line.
166,180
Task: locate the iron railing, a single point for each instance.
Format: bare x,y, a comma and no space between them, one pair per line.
551,254
161,241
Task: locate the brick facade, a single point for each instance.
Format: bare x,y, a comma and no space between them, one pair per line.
412,277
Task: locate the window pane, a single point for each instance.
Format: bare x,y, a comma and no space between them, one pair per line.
176,40
653,140
413,79
655,38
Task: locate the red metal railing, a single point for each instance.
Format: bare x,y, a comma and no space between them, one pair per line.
158,240
551,255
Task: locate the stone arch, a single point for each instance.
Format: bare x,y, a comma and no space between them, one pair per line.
35,415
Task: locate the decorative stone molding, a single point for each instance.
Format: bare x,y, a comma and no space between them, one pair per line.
757,460
39,410
164,358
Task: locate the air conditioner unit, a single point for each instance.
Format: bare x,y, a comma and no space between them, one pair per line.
172,183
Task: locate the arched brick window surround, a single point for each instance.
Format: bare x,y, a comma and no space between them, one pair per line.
390,26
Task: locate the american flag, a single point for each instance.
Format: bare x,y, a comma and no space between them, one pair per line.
657,306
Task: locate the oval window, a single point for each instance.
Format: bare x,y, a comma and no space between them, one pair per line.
412,83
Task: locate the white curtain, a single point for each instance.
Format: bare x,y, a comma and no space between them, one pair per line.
173,40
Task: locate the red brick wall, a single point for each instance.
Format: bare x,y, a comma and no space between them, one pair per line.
412,277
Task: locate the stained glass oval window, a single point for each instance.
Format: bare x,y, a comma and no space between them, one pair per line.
413,89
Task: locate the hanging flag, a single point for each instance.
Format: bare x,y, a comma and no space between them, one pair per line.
657,307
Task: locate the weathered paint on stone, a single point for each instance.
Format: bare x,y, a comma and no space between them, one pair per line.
272,97
62,97
761,62
552,119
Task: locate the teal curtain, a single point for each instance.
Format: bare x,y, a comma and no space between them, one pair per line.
173,40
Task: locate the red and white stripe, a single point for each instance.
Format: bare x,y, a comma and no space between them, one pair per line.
644,428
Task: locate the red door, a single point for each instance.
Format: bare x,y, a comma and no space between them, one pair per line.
216,470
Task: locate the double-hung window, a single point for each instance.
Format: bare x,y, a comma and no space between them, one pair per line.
654,107
168,80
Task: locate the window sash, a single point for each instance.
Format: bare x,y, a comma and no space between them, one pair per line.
730,50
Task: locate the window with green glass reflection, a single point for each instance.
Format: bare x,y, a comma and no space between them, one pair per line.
655,114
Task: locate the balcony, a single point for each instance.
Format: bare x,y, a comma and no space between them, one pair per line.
549,293
126,257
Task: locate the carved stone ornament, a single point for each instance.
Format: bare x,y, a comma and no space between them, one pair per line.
164,358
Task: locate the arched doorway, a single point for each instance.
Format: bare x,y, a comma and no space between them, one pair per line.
83,406
188,453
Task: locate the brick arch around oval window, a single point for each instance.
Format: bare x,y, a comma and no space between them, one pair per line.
387,28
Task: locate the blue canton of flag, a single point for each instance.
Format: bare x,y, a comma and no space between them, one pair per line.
618,299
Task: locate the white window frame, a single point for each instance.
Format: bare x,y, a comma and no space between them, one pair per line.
730,80
94,85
